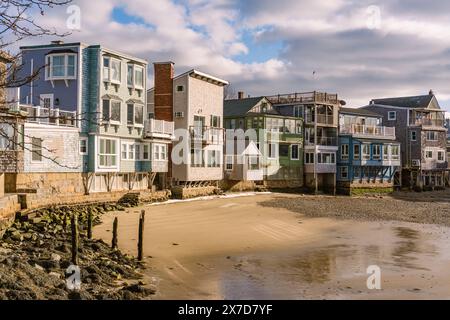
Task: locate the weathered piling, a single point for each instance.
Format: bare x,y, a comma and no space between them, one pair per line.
74,226
141,236
89,225
114,238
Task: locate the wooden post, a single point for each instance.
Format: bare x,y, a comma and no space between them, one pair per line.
141,236
89,225
74,225
114,239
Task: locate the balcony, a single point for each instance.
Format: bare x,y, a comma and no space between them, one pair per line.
206,135
159,129
304,98
49,116
320,119
363,131
428,122
323,141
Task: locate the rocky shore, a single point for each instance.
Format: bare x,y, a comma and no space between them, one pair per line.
425,208
36,251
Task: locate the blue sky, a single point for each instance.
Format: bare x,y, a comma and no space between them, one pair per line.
359,49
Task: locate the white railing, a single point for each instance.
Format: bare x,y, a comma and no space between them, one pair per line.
159,127
368,131
57,117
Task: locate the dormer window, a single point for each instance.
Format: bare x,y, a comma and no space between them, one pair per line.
61,66
135,77
112,70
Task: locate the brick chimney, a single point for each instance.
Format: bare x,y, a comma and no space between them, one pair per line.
164,73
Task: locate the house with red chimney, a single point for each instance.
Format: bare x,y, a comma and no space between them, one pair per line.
194,102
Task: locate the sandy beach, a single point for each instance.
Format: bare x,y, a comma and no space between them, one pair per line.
269,246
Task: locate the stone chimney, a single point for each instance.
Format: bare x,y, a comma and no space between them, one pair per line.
241,95
431,93
164,73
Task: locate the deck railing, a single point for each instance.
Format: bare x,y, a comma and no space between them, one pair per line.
368,131
159,127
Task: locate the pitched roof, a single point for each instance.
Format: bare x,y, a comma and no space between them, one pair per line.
239,107
420,102
359,112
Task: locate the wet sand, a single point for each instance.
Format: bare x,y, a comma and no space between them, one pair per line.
236,248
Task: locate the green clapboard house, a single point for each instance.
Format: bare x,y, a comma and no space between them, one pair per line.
278,138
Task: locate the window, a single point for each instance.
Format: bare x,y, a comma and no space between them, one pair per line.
395,152
131,152
283,150
137,152
111,111
413,136
197,158
83,146
160,152
179,114
151,115
180,88
366,152
229,163
432,136
295,154
139,77
392,115
297,111
309,158
112,70
36,149
386,152
61,66
344,151
344,172
46,101
326,158
272,151
356,152
130,75
376,150
441,156
107,153
213,159
145,152
215,121
124,151
429,154
135,114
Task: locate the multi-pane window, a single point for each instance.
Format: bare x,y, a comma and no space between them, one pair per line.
36,149
107,153
229,162
309,158
213,159
131,152
135,76
160,152
83,146
366,152
429,154
124,151
137,152
376,150
344,151
61,66
395,152
432,136
145,152
344,172
413,135
392,115
326,158
441,156
197,157
215,121
135,114
386,152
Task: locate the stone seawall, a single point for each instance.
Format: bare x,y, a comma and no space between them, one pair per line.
180,192
9,205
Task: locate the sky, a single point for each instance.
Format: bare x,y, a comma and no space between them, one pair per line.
357,48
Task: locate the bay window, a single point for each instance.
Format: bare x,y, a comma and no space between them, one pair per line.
135,114
366,152
135,76
111,111
160,152
61,66
112,70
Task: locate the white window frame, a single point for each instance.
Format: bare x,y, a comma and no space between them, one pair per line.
426,154
40,152
341,171
345,155
435,136
115,141
114,122
159,152
298,152
393,156
85,140
107,76
357,155
394,118
274,151
229,163
124,150
365,156
376,156
443,156
309,158
49,64
50,96
134,123
143,146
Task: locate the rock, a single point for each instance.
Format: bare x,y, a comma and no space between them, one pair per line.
38,267
55,274
16,235
55,257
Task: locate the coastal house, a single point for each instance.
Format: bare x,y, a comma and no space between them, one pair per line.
369,156
194,102
274,144
86,124
419,127
320,113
